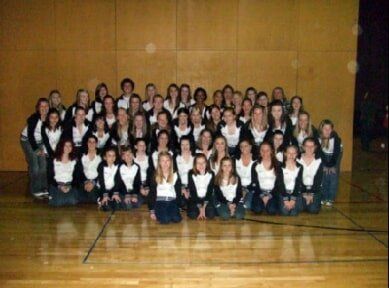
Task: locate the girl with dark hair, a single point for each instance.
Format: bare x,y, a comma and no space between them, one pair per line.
200,186
51,132
128,87
150,92
220,151
100,92
130,174
278,94
162,145
232,130
245,114
296,107
143,160
182,127
291,183
165,191
200,96
243,166
262,99
266,181
228,191
330,153
55,102
279,120
251,93
172,101
228,96
312,176
215,117
101,132
197,121
135,106
162,123
277,141
158,104
109,181
205,142
90,161
63,175
218,99
237,101
139,128
33,148
186,96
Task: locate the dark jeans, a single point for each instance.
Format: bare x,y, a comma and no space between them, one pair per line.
167,211
292,212
258,206
37,168
59,198
193,211
314,207
88,197
114,206
224,212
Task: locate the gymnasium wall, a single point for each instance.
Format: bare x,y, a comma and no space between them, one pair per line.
306,46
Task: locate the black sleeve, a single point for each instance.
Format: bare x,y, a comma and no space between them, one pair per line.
100,170
239,194
152,197
254,180
317,181
137,182
77,178
177,188
219,195
31,125
46,142
69,115
192,190
336,155
281,184
299,183
209,195
50,172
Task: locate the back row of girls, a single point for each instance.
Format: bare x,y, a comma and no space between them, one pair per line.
181,127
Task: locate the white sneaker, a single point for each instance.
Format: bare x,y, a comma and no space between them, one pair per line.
329,204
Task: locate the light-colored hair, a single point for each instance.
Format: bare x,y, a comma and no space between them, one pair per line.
219,176
325,142
159,174
264,115
297,128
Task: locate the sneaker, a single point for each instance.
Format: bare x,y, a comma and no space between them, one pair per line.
329,204
322,202
42,194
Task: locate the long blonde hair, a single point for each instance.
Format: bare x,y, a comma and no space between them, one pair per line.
159,174
219,176
264,121
297,128
325,142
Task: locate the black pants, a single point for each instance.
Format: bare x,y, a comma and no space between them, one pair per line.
193,211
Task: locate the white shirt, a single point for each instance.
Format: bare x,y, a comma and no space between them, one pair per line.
124,102
290,177
98,107
232,139
109,176
229,191
63,172
309,171
128,175
280,156
54,137
110,121
244,172
259,136
90,166
183,168
301,137
266,178
147,106
78,136
208,153
37,131
196,132
166,189
294,119
181,133
144,165
101,141
201,183
90,114
331,146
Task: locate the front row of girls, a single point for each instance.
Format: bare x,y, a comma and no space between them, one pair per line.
188,181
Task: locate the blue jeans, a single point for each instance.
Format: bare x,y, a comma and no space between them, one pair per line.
167,211
258,206
330,182
224,211
88,197
59,198
37,168
292,212
314,207
248,199
193,211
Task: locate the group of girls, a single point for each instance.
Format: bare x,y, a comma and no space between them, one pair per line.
175,153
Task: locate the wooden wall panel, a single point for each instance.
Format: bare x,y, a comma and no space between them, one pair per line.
85,69
158,68
146,24
267,69
268,25
210,70
205,25
328,25
305,46
85,24
25,76
326,82
27,25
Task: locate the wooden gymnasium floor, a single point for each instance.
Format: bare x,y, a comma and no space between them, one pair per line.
346,246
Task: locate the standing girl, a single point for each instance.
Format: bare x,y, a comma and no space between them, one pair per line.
165,192
279,120
296,108
51,132
228,191
232,130
100,92
150,92
31,142
186,96
330,151
172,101
196,119
55,102
200,185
